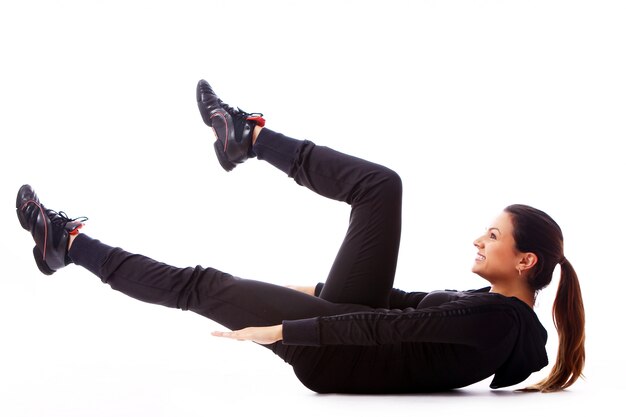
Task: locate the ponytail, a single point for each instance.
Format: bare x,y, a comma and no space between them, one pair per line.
568,314
536,232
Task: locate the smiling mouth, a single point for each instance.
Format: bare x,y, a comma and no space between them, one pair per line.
480,257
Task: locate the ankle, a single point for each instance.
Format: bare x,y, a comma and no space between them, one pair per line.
70,241
255,133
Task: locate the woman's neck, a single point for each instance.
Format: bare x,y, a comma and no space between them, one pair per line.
524,294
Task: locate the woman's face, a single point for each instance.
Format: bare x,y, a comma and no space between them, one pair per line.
497,256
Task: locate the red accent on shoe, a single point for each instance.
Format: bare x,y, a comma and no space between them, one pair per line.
75,231
258,120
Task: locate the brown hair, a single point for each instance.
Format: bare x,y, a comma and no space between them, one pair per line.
536,232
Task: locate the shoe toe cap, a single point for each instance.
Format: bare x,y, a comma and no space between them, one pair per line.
26,193
204,92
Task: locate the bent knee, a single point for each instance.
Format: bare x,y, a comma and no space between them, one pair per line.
393,181
388,183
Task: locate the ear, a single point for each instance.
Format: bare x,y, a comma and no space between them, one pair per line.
527,261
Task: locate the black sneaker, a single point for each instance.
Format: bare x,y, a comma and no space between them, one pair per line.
233,127
49,228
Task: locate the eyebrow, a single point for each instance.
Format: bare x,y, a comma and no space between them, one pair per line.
494,228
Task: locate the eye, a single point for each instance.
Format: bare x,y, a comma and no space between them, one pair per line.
492,236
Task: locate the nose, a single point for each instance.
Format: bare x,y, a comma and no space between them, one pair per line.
478,243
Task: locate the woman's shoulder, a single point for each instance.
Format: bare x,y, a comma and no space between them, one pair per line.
441,297
480,299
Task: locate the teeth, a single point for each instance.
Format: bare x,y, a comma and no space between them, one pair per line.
480,257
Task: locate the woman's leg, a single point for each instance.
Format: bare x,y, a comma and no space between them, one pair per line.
233,302
364,268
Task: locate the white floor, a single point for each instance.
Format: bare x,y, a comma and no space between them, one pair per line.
476,104
138,392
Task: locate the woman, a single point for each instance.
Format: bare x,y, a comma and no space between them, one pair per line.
354,333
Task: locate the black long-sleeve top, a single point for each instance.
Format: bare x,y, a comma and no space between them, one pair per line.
472,334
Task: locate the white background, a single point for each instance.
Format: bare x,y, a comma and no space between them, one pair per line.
476,104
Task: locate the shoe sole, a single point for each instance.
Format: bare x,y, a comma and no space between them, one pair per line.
41,264
222,158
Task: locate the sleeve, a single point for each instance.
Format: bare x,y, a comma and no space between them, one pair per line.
318,288
458,322
402,299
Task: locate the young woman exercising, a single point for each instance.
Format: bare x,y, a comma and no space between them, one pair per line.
354,333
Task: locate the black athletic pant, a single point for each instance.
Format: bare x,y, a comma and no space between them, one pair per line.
360,278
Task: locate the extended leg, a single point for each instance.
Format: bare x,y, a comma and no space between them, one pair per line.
231,301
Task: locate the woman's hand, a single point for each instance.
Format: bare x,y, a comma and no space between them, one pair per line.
306,290
262,335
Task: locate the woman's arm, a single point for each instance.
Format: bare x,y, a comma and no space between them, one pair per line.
262,335
306,290
401,299
465,322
